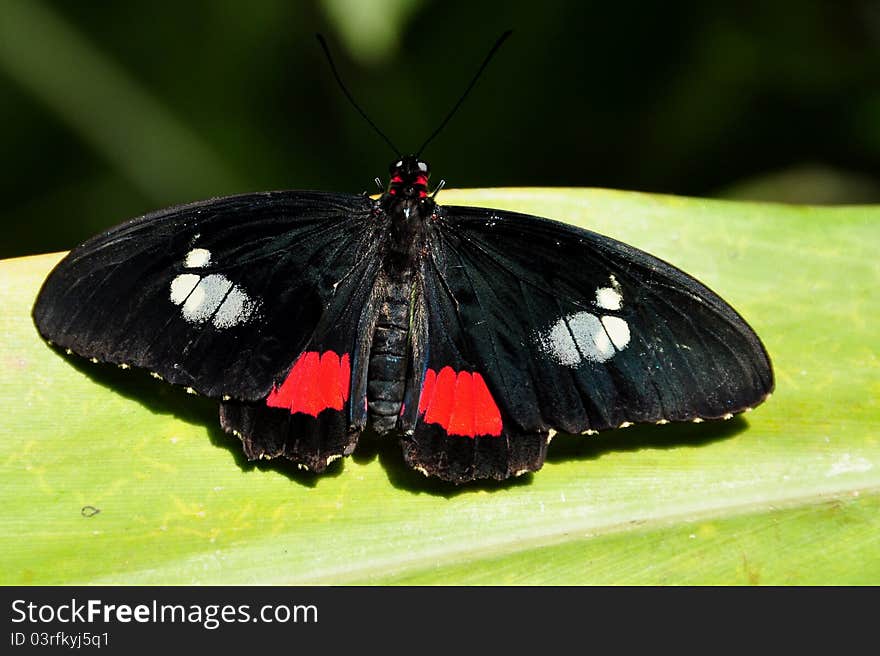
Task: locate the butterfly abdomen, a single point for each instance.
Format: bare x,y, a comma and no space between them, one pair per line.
389,356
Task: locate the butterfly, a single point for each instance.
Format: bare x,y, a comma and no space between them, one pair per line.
471,334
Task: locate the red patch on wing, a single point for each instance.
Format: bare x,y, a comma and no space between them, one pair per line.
315,382
427,390
460,402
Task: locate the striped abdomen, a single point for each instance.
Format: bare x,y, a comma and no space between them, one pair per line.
389,357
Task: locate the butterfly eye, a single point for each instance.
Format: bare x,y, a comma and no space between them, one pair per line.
423,167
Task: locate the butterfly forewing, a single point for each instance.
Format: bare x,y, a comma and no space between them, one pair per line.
220,296
576,332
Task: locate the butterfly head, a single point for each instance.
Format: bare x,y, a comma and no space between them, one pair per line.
409,177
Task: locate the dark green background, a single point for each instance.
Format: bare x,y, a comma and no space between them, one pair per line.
109,110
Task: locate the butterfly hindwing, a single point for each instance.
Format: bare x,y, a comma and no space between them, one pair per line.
577,332
220,296
461,432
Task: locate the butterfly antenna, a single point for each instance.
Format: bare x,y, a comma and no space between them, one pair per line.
498,43
349,96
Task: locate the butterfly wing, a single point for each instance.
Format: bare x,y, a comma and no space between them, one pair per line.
573,331
457,428
257,300
316,413
220,296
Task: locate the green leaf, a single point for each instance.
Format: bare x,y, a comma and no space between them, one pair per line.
788,493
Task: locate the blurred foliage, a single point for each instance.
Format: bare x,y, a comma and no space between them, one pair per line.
108,110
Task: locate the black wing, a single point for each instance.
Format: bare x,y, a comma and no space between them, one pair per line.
220,296
316,413
576,332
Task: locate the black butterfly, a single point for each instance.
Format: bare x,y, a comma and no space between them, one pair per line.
473,334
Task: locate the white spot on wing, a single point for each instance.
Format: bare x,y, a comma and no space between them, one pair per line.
558,343
206,298
182,285
237,308
212,298
583,336
197,257
618,331
609,298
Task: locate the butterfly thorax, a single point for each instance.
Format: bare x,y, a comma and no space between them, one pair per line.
407,206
